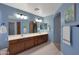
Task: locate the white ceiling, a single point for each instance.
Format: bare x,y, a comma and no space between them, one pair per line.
45,8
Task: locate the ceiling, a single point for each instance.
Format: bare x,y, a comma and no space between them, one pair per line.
41,9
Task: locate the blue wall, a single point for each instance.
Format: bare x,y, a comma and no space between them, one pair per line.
3,37
51,27
74,48
22,26
66,49
4,12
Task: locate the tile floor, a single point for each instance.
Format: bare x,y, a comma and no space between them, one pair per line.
43,49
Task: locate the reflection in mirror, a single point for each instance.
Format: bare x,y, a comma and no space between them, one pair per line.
11,28
24,27
33,27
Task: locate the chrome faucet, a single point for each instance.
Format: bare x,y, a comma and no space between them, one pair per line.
22,34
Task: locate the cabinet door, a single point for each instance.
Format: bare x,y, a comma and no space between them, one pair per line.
12,46
14,49
35,40
20,45
46,37
11,49
40,39
28,43
16,46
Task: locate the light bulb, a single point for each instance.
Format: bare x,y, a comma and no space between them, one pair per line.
22,16
17,15
38,20
25,17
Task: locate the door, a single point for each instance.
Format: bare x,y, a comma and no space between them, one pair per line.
31,26
18,28
57,30
11,28
28,43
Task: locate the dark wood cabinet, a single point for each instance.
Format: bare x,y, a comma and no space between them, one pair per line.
19,45
28,43
16,46
40,40
44,38
35,40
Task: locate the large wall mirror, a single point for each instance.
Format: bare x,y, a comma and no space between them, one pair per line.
24,27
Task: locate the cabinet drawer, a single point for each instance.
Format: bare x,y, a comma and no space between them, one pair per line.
16,48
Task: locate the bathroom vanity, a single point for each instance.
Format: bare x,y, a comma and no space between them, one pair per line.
25,34
20,43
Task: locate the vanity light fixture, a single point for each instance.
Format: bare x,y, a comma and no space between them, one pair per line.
38,20
17,15
25,17
20,16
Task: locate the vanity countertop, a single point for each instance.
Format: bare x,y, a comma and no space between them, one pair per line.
14,37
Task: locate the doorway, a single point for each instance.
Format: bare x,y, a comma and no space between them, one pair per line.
57,30
18,28
11,28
